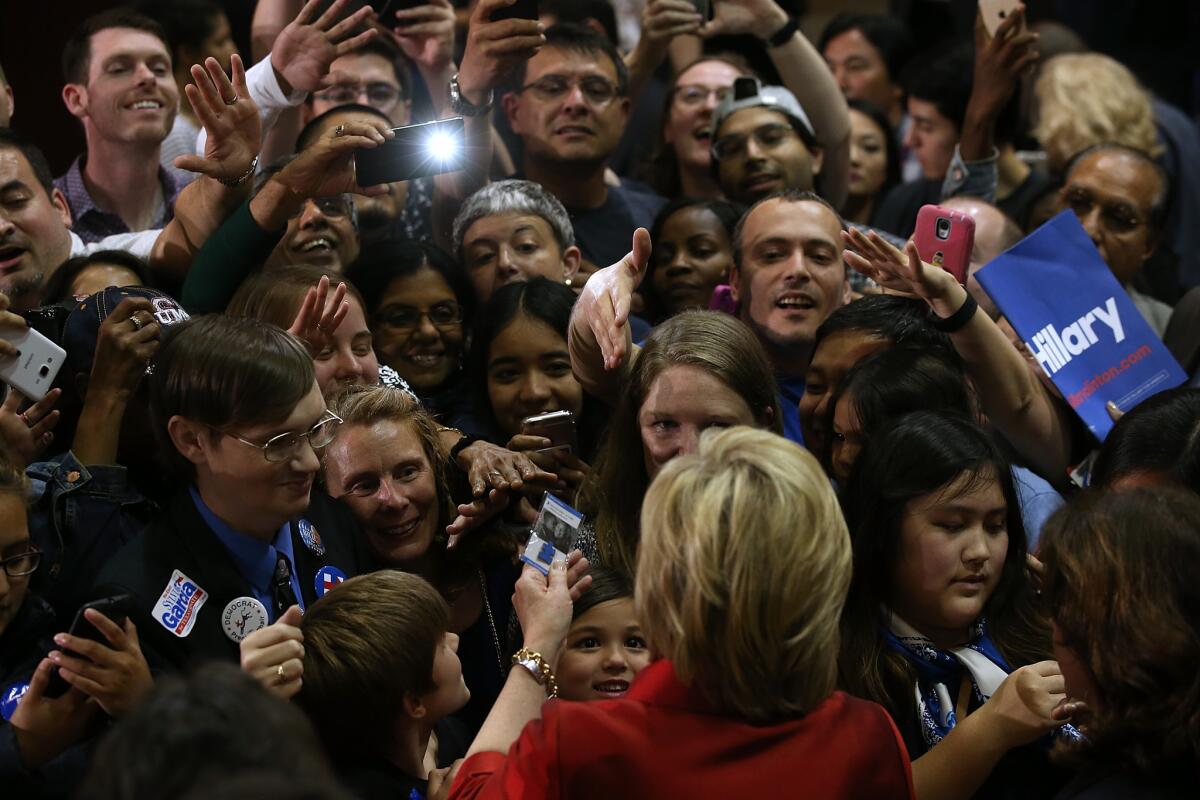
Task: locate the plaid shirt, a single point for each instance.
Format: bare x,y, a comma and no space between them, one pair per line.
92,224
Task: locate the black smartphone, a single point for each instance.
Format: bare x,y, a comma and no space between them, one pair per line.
704,8
430,148
522,9
116,608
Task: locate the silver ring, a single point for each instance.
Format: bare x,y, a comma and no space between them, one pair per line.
137,323
339,130
25,419
233,101
279,672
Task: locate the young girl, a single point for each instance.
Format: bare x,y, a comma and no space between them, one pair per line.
940,612
605,648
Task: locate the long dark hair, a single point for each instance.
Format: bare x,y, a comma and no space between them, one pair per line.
892,174
923,453
546,302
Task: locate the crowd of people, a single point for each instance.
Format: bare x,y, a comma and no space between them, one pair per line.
841,536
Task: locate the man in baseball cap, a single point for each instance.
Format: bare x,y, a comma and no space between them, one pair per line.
763,143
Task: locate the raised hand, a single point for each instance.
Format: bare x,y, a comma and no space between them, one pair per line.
425,34
25,434
760,18
896,271
544,604
274,655
230,120
306,48
320,315
326,167
663,20
116,676
495,48
475,514
1000,61
128,339
603,305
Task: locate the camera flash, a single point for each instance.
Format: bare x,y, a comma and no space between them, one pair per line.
442,146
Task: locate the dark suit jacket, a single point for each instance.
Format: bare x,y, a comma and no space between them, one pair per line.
179,539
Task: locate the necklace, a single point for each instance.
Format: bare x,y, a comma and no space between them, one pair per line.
487,607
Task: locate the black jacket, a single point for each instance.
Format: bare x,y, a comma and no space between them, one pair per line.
180,540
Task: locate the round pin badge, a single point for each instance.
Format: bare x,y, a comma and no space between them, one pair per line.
327,578
310,537
242,617
10,697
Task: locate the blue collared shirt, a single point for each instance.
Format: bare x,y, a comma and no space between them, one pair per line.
92,224
254,558
790,392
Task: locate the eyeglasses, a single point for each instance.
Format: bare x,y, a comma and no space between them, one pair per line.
285,446
694,95
596,90
335,207
408,318
1116,218
378,95
766,136
22,564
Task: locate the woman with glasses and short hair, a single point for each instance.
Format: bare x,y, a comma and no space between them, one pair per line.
237,411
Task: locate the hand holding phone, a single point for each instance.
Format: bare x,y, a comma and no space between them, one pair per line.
430,148
995,12
116,608
945,239
557,426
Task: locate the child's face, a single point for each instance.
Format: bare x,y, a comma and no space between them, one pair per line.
450,692
604,651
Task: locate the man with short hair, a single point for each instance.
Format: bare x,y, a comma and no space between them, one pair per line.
373,75
1120,196
570,110
120,85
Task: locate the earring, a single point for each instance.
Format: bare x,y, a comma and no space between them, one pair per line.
567,281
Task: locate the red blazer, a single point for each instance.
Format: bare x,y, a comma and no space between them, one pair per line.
663,741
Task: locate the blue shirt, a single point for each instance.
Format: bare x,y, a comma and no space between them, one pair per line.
790,391
254,558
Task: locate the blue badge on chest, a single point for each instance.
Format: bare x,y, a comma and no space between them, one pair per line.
310,537
11,696
327,578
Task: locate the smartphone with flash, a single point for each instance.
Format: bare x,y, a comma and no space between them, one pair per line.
116,608
32,372
557,426
522,9
429,148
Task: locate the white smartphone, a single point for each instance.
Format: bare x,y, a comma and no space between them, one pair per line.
32,372
995,12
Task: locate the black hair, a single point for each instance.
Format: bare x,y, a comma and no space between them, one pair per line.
56,286
943,79
383,262
187,23
1160,206
892,176
545,301
1159,435
579,39
200,727
607,585
887,34
77,52
900,320
727,213
309,131
13,140
578,12
920,454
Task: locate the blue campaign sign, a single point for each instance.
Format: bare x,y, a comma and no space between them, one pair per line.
1078,322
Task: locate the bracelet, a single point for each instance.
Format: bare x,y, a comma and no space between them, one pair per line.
245,176
784,34
538,668
462,444
958,319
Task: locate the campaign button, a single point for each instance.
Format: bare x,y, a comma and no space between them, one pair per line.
327,578
11,696
242,617
310,537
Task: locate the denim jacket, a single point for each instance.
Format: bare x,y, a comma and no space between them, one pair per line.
79,516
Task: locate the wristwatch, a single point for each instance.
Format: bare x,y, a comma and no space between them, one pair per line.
460,105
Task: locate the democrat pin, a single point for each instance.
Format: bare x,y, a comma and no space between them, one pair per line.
326,579
242,617
11,696
179,604
311,539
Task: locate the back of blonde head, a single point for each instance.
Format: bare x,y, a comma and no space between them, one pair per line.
742,572
1085,99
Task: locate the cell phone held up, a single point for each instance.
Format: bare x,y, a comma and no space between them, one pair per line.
557,426
33,371
116,608
521,9
945,239
429,148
